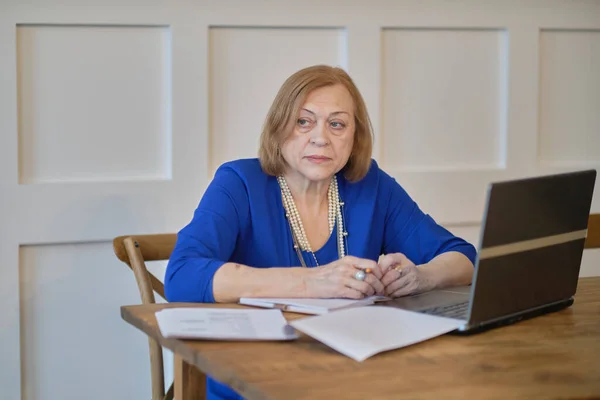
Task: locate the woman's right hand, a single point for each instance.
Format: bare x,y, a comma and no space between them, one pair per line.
337,279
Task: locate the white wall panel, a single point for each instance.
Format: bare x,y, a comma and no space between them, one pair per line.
88,94
569,130
444,98
247,68
70,295
590,263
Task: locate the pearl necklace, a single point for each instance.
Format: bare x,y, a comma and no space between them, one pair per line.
293,216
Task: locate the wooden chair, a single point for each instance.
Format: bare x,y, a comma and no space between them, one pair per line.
593,235
135,251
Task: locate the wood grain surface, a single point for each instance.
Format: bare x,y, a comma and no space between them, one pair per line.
552,356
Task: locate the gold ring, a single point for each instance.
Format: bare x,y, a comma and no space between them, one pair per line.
398,268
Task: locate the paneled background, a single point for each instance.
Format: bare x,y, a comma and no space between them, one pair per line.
115,114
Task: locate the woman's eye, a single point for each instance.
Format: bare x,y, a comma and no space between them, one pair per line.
303,122
337,125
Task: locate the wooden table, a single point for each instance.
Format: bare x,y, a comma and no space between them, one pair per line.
552,356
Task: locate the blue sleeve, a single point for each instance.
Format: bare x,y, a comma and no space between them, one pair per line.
410,231
208,241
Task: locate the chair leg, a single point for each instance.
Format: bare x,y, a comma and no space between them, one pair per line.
189,382
170,395
156,369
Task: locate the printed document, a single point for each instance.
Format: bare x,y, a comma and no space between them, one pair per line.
360,333
224,324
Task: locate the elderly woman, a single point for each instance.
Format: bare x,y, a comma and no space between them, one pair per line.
312,215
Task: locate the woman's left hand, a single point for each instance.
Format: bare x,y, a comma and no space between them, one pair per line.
401,277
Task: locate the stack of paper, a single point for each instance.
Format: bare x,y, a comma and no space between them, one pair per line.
357,332
224,324
309,306
360,333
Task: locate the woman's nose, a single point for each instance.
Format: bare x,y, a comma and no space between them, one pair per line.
319,135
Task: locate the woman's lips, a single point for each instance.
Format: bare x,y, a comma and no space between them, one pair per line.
318,159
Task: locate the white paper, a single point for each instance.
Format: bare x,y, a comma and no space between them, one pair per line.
224,324
309,306
360,333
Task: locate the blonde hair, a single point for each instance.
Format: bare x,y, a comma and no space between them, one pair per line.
285,110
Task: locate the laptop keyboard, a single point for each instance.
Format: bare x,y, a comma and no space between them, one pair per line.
457,310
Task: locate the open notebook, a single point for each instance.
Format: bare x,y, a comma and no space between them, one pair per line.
309,306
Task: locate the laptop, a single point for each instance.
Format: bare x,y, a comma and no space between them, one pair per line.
529,255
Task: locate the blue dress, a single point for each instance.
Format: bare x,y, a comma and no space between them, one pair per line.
241,219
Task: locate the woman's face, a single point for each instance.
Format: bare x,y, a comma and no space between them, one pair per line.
322,138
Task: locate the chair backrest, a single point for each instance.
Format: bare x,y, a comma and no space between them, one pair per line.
135,251
593,232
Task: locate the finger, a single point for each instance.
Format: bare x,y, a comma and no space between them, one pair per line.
361,286
390,260
377,272
386,262
397,285
361,263
372,280
349,293
407,289
391,276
